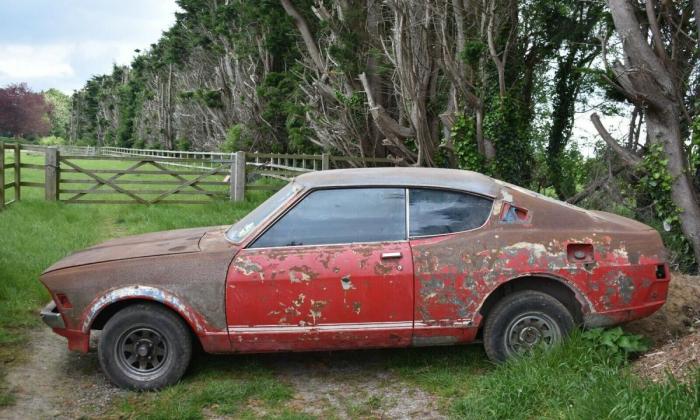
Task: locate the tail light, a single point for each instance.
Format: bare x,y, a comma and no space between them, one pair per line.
661,271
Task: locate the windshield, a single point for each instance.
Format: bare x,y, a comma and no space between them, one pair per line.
243,227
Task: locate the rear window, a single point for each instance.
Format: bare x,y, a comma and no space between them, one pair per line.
437,212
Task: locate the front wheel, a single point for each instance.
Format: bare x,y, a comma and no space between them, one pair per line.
145,347
523,321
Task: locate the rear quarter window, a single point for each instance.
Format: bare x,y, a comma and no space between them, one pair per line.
438,212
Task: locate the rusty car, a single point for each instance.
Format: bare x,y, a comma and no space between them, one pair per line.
353,259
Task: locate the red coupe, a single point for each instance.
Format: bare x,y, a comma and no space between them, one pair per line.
359,258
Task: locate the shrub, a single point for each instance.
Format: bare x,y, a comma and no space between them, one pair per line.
52,141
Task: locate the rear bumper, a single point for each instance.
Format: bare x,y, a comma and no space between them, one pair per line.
51,316
608,319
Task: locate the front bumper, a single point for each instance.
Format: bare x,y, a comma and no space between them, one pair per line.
51,316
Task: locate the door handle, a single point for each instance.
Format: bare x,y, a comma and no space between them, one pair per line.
390,255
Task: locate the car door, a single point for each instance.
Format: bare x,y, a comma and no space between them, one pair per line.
444,229
335,271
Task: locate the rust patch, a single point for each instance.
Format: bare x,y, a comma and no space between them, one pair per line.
248,267
316,307
303,273
381,269
365,251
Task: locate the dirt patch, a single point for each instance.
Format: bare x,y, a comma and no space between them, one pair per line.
352,384
679,358
56,383
678,317
674,331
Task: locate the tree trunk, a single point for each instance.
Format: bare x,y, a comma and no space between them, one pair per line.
647,78
664,127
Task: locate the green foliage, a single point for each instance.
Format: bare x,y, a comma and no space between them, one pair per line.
183,145
615,342
466,148
656,183
349,42
236,140
507,127
207,97
52,141
59,115
285,112
472,52
694,148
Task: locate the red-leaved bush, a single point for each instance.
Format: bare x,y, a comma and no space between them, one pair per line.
23,113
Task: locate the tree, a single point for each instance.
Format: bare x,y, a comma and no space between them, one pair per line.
656,75
59,114
23,113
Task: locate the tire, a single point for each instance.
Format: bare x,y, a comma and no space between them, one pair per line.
522,321
145,347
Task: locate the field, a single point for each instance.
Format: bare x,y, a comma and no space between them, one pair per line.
585,378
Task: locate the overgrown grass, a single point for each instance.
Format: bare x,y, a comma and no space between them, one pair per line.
578,380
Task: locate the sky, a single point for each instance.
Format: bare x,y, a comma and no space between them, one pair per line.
62,43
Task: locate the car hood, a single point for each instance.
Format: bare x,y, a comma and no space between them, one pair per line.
148,245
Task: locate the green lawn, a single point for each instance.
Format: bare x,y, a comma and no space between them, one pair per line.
581,379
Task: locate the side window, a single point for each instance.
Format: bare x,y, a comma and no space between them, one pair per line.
340,216
436,212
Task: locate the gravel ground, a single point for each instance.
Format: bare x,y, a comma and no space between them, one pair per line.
58,384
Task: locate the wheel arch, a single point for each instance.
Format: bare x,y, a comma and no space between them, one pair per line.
560,289
103,308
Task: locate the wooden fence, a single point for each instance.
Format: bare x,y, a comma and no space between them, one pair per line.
15,167
112,175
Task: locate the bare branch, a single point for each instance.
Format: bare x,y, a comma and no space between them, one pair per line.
628,157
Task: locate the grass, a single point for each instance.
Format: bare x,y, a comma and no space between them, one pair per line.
214,388
576,380
35,233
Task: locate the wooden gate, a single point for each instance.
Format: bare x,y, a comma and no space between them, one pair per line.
79,178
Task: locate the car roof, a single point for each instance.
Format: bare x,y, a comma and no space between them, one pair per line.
401,177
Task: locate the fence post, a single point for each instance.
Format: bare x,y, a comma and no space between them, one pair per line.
237,178
325,162
2,175
17,173
52,173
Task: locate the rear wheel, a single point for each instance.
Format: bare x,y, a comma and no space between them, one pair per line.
145,347
523,321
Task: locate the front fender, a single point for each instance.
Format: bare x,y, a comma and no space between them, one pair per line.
195,320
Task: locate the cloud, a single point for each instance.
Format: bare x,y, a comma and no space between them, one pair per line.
25,62
67,43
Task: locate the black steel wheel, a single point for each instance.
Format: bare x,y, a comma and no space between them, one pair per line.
523,321
145,347
141,351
